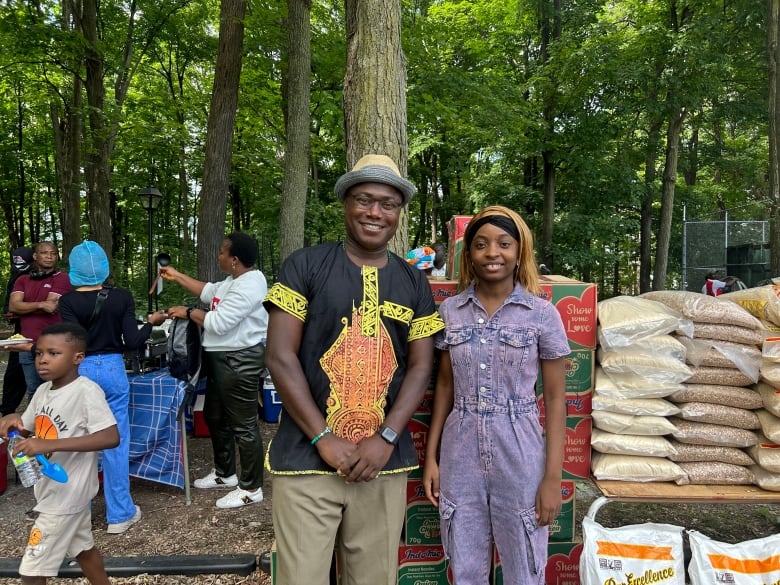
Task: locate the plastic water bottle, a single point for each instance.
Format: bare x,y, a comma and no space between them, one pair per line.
28,468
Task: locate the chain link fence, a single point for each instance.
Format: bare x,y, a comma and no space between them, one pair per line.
731,248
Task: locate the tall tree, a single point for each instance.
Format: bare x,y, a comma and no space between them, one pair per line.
297,122
773,59
219,137
375,90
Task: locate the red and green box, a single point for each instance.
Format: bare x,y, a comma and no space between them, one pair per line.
456,228
418,426
576,455
580,380
443,289
576,303
423,565
421,523
562,528
563,564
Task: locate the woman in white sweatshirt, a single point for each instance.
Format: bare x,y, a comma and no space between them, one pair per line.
234,327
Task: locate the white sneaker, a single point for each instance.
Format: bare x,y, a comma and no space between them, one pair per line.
212,480
121,527
239,498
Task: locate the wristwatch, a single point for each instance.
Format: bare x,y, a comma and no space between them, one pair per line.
389,435
189,311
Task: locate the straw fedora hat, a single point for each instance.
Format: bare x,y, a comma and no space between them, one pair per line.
374,168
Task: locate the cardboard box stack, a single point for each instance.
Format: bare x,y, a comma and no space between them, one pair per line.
576,303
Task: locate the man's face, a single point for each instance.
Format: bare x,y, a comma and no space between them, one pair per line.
45,256
371,212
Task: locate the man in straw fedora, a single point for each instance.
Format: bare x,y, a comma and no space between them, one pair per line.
350,350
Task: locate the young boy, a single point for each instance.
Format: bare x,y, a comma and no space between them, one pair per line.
70,418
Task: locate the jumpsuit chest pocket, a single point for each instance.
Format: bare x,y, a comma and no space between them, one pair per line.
459,342
515,344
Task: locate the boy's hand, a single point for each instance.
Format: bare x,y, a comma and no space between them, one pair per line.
30,447
9,423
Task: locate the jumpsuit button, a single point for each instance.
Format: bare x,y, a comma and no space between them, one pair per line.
483,340
483,404
483,389
480,320
482,366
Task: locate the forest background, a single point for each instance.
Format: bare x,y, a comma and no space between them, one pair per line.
603,122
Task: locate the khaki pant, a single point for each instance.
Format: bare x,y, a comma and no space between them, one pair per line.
314,513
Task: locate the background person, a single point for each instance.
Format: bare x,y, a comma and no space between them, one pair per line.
34,300
439,269
491,469
72,413
350,350
14,385
713,286
233,330
108,314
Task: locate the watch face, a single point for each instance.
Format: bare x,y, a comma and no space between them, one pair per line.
389,435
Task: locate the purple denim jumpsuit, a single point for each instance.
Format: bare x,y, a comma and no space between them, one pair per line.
492,455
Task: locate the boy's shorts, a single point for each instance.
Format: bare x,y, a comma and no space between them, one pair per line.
52,539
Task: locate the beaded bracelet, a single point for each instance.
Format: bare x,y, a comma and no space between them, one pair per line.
322,434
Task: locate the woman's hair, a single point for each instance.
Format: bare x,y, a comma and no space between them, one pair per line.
526,274
244,247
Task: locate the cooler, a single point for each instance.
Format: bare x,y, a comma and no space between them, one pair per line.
272,404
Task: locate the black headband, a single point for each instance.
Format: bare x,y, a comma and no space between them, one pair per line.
500,221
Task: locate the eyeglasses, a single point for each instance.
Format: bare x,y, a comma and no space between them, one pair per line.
366,203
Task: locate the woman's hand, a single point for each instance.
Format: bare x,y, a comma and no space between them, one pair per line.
430,481
177,312
169,272
156,318
548,501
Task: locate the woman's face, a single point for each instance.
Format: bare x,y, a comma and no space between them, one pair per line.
494,254
225,259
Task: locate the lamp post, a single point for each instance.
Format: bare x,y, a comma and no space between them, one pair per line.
150,199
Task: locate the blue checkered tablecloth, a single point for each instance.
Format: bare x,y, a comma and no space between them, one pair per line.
155,432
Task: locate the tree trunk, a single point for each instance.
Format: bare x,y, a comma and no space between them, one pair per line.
667,198
298,120
219,137
646,214
375,90
773,58
97,163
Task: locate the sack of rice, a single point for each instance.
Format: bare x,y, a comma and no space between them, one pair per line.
770,425
714,473
634,468
731,333
723,354
770,396
626,424
770,361
697,433
762,302
766,454
719,376
624,320
630,385
704,309
639,445
765,479
752,562
641,554
684,452
736,396
653,368
635,406
718,414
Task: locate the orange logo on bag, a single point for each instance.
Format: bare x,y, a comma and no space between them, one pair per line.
745,566
634,551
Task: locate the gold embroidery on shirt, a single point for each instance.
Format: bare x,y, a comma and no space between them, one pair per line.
288,300
425,326
370,304
360,369
398,312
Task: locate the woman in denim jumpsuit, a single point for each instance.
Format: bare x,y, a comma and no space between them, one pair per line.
497,480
